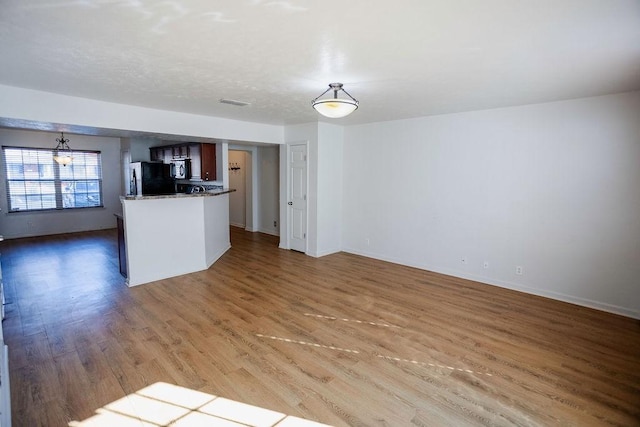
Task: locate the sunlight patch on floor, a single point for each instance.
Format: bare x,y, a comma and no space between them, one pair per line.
432,365
310,344
163,404
362,322
388,358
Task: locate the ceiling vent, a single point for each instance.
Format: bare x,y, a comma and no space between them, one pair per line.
234,102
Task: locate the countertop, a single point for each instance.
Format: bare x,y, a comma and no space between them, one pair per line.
208,193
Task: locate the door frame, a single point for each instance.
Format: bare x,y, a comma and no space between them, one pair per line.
247,190
251,184
285,187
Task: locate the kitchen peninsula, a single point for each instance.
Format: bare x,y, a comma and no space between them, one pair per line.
174,234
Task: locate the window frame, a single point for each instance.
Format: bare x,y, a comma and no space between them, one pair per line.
55,177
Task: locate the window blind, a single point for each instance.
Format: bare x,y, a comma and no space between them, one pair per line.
36,182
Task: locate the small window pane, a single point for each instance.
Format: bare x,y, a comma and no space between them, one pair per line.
34,202
17,203
47,171
66,172
16,187
48,187
15,171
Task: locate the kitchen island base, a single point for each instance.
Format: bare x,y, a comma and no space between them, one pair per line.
167,236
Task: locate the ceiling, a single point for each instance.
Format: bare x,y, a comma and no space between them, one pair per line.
400,59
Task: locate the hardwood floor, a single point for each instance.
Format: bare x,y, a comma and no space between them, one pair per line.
341,340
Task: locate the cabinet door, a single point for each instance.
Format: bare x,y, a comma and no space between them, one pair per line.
167,155
196,164
208,162
156,154
184,152
180,151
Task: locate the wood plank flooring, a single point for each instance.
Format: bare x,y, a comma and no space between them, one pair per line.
341,340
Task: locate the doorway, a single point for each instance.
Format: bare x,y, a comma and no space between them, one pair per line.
238,181
254,174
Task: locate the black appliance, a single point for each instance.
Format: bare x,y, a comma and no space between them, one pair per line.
149,178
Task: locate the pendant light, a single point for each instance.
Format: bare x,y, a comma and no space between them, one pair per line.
62,151
335,108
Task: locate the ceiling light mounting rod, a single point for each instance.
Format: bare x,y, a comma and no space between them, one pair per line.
334,107
62,142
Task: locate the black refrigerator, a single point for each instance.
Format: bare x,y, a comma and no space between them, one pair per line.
149,178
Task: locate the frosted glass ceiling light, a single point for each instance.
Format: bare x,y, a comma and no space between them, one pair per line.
335,108
63,151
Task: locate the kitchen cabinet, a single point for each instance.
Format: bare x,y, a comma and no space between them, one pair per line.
208,162
180,151
202,156
161,154
156,154
168,152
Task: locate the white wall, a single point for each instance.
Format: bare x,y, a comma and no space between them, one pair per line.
222,161
27,104
139,148
268,182
554,188
330,183
24,224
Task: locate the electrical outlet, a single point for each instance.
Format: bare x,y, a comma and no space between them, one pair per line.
275,224
463,260
367,241
485,265
519,270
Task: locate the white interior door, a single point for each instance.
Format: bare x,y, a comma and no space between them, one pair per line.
297,203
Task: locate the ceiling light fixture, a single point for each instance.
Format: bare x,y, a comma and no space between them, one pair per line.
62,151
335,108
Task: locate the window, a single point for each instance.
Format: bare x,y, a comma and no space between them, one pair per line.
36,182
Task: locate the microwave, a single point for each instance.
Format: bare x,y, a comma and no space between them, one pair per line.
181,168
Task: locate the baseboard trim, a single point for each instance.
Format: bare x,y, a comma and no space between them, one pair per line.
217,256
558,296
320,254
269,232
